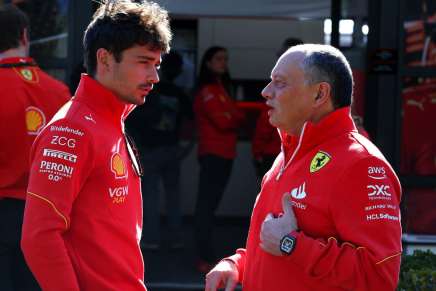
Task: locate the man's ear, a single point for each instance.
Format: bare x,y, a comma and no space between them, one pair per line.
104,60
323,95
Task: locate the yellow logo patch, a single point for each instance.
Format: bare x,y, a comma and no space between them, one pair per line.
319,161
118,167
35,120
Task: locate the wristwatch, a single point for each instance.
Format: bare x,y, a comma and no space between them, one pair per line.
287,244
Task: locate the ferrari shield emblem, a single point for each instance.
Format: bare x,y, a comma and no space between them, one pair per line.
27,74
319,160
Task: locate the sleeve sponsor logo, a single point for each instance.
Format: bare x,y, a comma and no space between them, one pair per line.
60,155
119,194
56,169
380,206
319,161
381,216
118,166
378,192
63,141
377,173
35,120
66,129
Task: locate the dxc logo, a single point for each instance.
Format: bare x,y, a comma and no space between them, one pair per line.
299,192
378,190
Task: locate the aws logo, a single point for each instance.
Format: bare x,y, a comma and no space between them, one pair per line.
377,173
319,161
118,167
35,120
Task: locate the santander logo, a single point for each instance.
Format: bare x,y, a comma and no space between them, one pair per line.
299,192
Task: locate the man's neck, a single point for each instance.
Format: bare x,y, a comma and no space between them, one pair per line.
19,52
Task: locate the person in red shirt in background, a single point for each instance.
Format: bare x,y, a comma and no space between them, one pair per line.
28,100
83,216
266,143
266,140
327,216
218,120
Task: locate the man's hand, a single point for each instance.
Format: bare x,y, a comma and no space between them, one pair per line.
274,229
224,274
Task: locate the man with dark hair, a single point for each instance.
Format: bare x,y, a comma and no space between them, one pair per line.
28,100
83,216
156,128
327,216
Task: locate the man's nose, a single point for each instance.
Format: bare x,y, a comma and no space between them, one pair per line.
266,92
154,76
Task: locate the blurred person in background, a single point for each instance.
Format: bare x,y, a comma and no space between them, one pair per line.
28,100
156,126
218,120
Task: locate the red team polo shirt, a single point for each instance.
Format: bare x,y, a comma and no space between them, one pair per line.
28,100
345,197
83,216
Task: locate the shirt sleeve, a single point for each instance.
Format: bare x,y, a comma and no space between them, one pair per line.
61,159
223,116
365,254
239,260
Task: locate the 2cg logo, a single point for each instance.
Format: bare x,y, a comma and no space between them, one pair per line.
63,141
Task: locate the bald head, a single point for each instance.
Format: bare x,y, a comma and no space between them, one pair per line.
323,63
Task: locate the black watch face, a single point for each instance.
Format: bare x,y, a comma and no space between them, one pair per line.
287,244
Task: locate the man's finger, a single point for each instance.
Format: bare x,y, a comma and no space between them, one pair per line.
287,204
231,283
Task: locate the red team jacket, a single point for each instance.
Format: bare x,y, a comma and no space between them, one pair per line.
83,216
218,119
28,100
345,197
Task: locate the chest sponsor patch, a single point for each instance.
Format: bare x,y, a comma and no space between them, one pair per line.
35,120
119,194
118,167
319,161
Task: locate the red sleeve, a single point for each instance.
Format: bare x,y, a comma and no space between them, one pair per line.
60,162
222,114
239,260
365,255
262,134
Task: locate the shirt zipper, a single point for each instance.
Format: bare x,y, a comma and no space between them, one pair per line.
284,167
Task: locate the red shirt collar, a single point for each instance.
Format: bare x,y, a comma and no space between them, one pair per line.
334,124
17,60
102,101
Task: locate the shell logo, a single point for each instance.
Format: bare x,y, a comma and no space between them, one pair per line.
118,167
35,120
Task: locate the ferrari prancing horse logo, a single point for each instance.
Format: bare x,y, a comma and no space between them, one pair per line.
319,160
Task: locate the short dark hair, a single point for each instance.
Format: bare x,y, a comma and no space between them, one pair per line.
12,24
119,25
324,63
